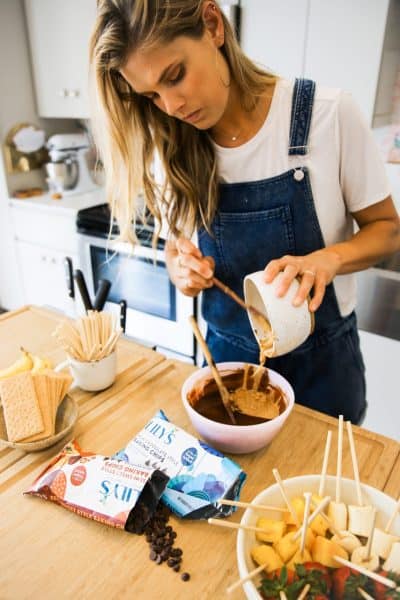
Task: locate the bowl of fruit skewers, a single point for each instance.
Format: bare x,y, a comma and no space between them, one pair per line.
317,564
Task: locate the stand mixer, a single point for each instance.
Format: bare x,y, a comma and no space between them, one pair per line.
68,171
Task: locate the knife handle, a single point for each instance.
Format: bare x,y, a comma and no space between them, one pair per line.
80,282
101,294
122,315
69,276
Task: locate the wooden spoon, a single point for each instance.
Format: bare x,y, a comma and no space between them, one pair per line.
225,395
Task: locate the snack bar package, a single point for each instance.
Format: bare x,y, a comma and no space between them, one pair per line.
199,476
100,488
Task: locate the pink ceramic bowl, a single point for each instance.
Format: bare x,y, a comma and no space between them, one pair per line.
236,439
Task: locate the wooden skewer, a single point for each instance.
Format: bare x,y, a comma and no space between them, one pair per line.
311,518
325,463
393,516
231,525
251,505
229,292
304,592
282,595
225,396
355,462
278,480
339,460
384,580
307,496
243,580
371,535
364,594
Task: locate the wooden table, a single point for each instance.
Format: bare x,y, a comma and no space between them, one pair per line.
48,552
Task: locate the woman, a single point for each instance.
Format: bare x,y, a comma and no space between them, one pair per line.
270,174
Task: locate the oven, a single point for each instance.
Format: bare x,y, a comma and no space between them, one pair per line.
156,313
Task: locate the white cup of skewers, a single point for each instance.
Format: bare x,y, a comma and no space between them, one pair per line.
235,439
92,376
285,326
379,515
90,344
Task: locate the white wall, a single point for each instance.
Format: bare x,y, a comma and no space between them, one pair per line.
17,104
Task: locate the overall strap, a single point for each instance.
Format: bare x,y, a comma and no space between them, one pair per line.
302,105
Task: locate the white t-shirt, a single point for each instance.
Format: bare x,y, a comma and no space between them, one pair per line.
345,167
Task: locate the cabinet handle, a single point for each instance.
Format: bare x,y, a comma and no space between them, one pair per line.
53,261
43,258
63,93
73,93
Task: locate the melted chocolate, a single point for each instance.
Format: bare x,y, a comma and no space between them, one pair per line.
206,400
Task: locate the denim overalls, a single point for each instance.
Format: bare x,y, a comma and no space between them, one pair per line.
256,222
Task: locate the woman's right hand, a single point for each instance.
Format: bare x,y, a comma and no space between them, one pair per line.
188,269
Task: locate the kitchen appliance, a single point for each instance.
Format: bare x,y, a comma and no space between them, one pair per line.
378,304
68,171
155,312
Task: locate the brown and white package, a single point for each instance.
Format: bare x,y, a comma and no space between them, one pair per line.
107,490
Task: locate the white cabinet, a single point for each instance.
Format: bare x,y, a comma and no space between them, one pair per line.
59,33
273,34
344,46
43,275
42,240
338,44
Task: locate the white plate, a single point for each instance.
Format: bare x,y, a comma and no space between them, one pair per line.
296,486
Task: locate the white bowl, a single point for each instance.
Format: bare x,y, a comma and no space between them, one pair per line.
295,487
236,439
291,325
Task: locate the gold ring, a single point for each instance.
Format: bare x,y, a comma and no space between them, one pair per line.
309,272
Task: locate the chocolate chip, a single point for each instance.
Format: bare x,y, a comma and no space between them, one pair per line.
158,560
185,576
176,552
171,562
177,568
153,555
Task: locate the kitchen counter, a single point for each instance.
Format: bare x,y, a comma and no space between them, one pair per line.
69,204
49,552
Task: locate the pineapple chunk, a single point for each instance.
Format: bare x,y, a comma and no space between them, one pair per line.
319,525
299,559
298,505
287,548
323,551
274,530
266,554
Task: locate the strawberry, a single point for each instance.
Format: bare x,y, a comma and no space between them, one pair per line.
318,578
382,592
278,581
346,581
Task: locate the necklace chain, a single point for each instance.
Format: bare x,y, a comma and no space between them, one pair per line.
233,138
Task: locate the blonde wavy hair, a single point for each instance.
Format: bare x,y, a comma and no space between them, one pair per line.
128,128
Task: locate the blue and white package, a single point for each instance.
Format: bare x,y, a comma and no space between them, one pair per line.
199,475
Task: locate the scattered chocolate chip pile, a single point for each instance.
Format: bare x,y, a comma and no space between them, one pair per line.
161,537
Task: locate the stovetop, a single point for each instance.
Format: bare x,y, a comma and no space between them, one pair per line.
95,221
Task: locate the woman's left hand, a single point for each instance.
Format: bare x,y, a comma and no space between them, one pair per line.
315,271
